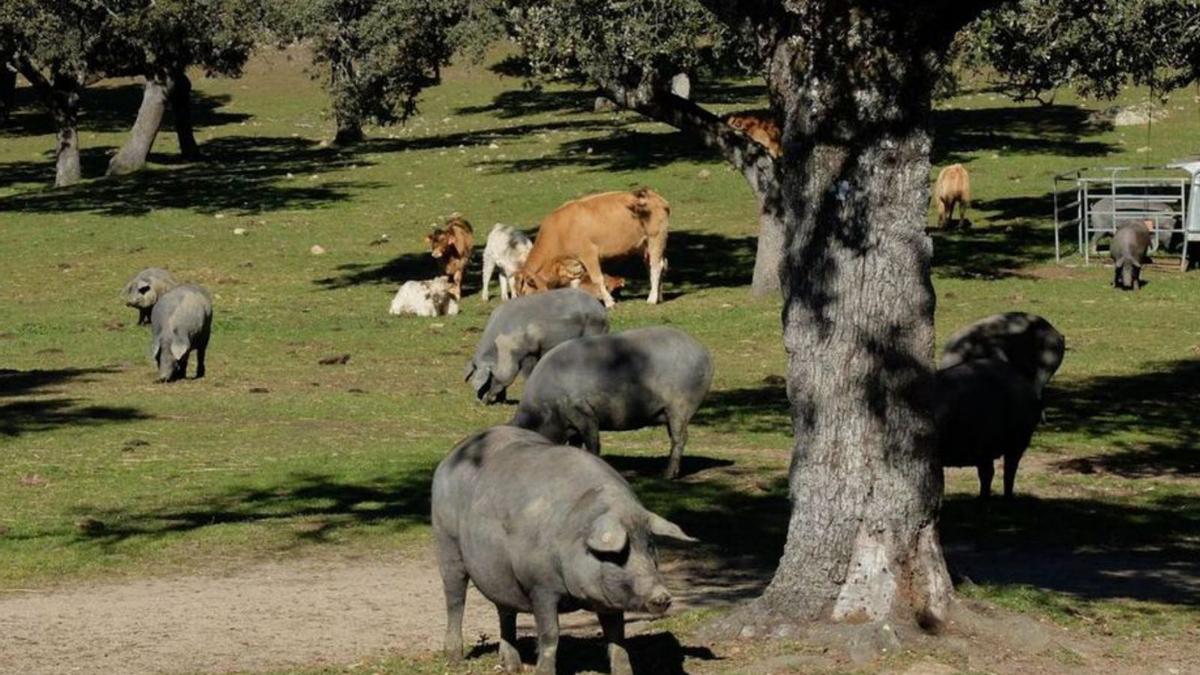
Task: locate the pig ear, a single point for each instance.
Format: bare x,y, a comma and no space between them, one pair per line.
608,535
179,348
469,371
661,527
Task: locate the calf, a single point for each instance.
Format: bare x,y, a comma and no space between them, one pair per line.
599,227
953,188
760,125
145,288
1028,342
180,323
432,297
451,246
1129,252
983,410
615,382
521,330
569,272
507,248
543,528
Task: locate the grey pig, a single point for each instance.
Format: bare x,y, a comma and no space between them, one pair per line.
180,324
1107,216
145,288
615,382
543,528
1129,247
984,409
521,330
1028,342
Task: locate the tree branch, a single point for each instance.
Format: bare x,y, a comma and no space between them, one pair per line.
681,113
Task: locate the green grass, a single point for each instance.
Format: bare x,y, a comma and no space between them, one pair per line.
107,473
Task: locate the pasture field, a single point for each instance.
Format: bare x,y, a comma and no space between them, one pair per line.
107,475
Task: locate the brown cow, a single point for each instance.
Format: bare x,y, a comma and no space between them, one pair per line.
452,245
760,126
953,187
569,271
595,228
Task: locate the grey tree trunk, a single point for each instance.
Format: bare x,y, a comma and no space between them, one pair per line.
862,542
132,156
768,256
180,93
64,107
345,115
8,91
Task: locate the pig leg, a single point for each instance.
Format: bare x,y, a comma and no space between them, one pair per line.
584,423
200,361
454,583
614,634
986,471
1010,474
545,615
677,430
510,658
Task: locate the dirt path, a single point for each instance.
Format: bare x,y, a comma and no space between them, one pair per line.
310,612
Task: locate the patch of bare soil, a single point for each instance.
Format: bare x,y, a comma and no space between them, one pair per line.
273,615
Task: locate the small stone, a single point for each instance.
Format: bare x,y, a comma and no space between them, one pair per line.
290,176
704,173
89,525
239,231
493,146
219,216
317,249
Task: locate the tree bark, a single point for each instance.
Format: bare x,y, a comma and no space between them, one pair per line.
8,90
132,156
180,93
60,93
865,486
345,113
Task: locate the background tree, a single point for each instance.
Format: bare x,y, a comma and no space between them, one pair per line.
377,55
54,44
160,40
631,50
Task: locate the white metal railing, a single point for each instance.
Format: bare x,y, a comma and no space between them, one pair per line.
1096,204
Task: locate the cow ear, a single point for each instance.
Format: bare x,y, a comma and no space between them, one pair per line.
179,347
607,535
661,527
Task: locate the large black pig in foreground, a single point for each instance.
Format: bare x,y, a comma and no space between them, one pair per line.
543,528
985,409
627,380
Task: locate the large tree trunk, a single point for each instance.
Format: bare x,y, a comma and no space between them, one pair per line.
8,90
345,113
765,182
862,542
180,93
132,156
64,108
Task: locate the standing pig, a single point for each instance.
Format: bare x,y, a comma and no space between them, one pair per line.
521,330
1028,342
984,409
540,528
144,289
1129,247
616,382
180,324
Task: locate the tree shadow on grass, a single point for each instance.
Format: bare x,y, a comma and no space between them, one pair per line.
696,260
1082,547
756,409
243,174
658,652
111,108
1054,131
990,253
92,161
1160,404
624,149
314,506
26,411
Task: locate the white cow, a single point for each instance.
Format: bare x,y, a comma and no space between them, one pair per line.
507,248
432,297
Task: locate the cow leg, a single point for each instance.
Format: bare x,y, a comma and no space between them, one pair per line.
986,472
656,262
941,211
489,267
505,292
591,263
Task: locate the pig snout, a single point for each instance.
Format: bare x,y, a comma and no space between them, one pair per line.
659,601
